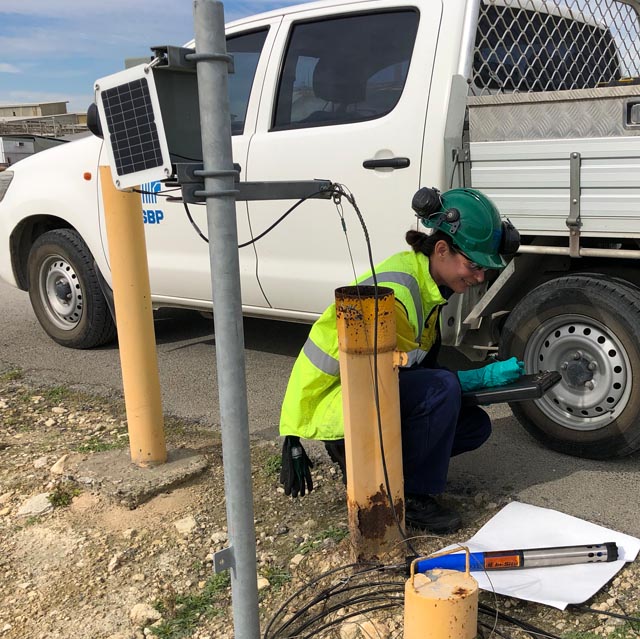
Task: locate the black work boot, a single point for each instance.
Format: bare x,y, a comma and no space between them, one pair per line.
425,513
337,453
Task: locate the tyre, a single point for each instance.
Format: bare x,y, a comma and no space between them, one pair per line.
65,292
586,326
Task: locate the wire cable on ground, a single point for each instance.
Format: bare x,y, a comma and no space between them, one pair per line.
635,629
314,582
524,625
366,584
608,613
494,630
364,591
342,619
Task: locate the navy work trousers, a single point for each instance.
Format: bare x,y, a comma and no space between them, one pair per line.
435,427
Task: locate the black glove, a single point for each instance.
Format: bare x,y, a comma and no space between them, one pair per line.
295,474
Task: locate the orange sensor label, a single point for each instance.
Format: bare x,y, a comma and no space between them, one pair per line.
501,561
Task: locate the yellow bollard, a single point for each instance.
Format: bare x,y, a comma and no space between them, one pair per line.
372,524
136,336
441,604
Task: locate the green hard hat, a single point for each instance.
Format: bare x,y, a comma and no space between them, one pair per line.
472,221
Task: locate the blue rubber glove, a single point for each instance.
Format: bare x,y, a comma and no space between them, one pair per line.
496,374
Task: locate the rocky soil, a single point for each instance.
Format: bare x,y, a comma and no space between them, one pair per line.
77,564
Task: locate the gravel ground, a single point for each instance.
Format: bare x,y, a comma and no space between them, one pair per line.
75,564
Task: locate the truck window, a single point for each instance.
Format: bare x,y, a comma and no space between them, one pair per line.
346,69
548,47
246,49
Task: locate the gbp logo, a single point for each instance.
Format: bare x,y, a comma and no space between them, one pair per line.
149,190
152,216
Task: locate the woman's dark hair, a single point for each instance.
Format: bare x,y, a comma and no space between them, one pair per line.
425,243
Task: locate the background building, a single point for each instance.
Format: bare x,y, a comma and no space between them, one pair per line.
40,118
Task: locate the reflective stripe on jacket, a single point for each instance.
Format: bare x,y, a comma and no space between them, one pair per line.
312,406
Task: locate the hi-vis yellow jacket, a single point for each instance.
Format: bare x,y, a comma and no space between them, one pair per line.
312,406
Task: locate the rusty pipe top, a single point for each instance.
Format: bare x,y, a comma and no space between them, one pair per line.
355,314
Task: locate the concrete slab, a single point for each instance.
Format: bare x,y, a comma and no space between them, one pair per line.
111,473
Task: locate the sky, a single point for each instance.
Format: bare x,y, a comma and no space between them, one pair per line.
54,50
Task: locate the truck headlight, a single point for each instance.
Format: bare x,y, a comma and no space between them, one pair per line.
5,180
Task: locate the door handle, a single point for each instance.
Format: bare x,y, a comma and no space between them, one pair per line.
632,114
387,163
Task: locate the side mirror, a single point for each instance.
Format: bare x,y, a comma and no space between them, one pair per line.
93,120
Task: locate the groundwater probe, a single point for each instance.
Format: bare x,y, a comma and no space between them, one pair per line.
526,558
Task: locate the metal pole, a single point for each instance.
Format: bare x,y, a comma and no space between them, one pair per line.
225,278
582,252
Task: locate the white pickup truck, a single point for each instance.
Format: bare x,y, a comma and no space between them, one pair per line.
533,102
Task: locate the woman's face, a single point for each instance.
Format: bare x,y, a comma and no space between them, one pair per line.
452,269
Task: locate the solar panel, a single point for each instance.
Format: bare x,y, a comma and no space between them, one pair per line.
132,123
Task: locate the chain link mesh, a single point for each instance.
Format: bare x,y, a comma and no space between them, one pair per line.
548,45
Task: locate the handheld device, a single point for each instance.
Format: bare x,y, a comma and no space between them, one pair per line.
527,387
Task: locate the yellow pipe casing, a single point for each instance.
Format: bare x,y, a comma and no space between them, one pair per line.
441,604
372,524
134,312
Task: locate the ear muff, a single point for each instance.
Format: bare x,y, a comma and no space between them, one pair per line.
426,202
510,240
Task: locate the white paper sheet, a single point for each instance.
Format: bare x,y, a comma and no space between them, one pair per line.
519,526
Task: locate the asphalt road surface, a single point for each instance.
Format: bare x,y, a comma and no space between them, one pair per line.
510,463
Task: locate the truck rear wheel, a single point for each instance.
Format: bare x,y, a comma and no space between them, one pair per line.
65,293
587,327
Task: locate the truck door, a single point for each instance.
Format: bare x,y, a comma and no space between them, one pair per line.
178,257
345,100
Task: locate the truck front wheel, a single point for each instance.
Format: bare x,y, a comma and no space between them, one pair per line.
587,327
65,293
